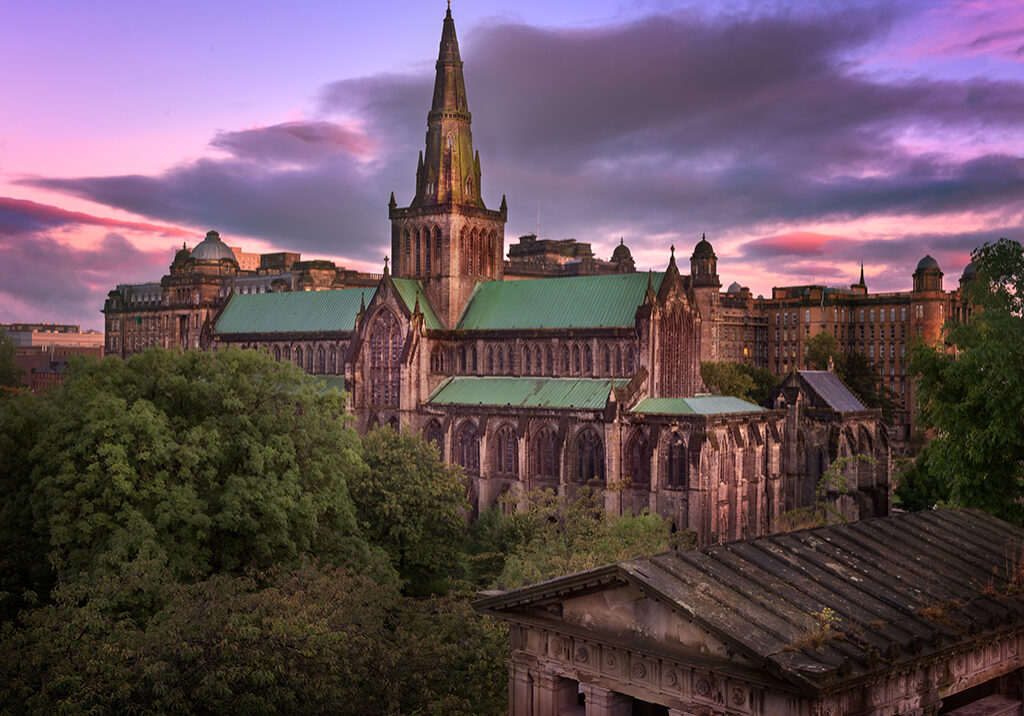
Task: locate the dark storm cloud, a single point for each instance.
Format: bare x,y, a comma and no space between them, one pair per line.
45,279
668,126
302,185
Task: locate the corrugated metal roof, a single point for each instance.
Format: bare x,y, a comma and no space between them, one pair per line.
702,405
901,588
408,290
832,390
572,302
293,312
577,393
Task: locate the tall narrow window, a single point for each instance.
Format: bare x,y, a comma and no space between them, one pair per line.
638,465
385,356
468,448
589,457
506,459
676,464
545,457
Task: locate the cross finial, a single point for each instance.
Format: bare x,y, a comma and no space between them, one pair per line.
385,263
672,248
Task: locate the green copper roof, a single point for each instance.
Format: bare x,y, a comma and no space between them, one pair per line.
575,302
293,312
409,289
578,393
703,405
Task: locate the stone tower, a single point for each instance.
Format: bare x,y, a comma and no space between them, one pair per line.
705,285
446,237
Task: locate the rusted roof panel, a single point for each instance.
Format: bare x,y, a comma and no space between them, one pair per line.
574,393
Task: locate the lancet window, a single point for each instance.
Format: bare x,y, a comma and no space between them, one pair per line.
506,459
385,356
468,448
589,457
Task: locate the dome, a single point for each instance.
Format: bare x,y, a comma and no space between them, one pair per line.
927,264
212,249
735,287
182,255
703,249
970,271
621,252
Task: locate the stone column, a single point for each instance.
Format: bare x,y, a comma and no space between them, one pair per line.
520,690
550,693
605,702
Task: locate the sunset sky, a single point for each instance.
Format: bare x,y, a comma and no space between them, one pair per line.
801,137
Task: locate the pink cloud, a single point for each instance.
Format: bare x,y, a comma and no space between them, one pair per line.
18,215
792,243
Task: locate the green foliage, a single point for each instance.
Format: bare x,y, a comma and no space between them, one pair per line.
821,348
739,380
10,371
208,462
411,504
823,511
918,487
558,534
971,390
310,639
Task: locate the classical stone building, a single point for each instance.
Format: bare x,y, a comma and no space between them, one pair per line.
910,615
550,382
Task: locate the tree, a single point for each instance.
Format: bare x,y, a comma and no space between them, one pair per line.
411,504
308,639
823,349
727,379
560,534
739,380
918,487
970,389
10,371
206,462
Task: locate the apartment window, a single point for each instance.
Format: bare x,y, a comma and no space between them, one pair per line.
807,316
892,314
785,319
862,315
872,315
903,313
871,351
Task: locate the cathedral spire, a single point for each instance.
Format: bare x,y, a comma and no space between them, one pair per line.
450,169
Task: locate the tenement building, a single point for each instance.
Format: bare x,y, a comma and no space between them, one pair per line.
577,372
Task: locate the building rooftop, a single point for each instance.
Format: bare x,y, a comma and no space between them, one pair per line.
293,312
564,393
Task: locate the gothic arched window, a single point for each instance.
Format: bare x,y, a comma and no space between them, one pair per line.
588,360
434,434
506,458
501,360
588,457
490,361
321,360
527,361
565,360
427,266
676,465
638,460
277,352
575,360
418,250
298,356
287,354
606,359
630,360
537,360
309,359
332,360
618,360
385,354
545,454
468,448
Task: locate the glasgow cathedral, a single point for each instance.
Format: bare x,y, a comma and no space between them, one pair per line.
550,368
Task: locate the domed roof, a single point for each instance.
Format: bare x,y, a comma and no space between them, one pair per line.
970,270
182,254
735,287
621,252
212,249
927,263
703,249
